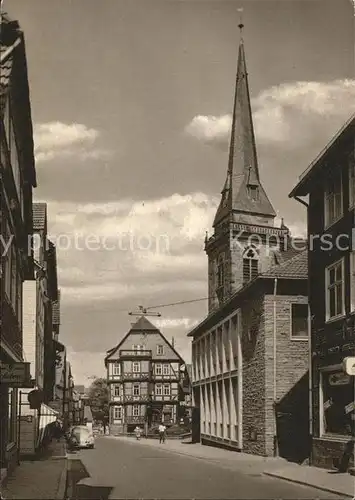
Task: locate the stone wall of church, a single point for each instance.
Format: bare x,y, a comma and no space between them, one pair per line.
259,411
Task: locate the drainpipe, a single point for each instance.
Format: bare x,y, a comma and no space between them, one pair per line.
309,326
274,370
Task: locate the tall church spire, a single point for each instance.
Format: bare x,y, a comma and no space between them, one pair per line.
243,195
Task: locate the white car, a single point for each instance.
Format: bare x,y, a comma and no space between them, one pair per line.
81,437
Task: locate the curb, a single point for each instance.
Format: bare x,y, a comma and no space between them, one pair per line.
304,483
60,495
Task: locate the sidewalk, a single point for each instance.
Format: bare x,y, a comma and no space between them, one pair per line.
330,481
42,478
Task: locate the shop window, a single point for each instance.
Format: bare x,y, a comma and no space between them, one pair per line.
338,403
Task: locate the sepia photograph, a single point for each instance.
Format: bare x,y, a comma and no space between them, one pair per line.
177,241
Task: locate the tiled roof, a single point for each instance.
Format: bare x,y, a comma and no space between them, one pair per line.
143,324
295,267
39,216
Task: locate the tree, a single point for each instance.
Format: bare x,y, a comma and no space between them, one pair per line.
98,398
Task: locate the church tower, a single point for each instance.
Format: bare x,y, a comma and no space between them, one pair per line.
244,231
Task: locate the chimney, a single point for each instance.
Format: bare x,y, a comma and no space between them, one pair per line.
173,341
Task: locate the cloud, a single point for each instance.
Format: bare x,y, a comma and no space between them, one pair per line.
86,364
287,115
115,250
60,140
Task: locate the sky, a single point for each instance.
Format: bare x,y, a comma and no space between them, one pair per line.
131,105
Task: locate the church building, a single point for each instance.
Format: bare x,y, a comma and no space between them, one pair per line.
250,354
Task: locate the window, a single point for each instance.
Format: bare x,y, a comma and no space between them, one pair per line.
135,410
19,301
253,193
160,350
15,165
352,281
14,279
250,264
352,183
166,389
116,368
136,367
136,389
7,264
11,416
117,390
158,389
117,412
158,369
338,403
334,290
299,321
137,347
166,369
220,278
333,199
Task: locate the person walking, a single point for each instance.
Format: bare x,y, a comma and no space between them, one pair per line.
162,431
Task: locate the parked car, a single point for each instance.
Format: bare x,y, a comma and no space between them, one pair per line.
81,437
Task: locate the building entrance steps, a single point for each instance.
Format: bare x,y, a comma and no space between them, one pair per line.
41,478
323,479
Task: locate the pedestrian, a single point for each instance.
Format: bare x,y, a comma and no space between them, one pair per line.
58,429
162,431
138,432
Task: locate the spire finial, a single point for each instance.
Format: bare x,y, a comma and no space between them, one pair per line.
241,25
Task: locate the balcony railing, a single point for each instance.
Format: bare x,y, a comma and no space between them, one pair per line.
131,353
135,375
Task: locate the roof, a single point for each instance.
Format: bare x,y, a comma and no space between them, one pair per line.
13,59
243,169
294,268
142,324
80,388
303,186
39,216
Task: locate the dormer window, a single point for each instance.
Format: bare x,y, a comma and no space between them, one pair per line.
253,192
250,264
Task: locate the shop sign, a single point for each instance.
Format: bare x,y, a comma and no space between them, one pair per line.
350,407
15,374
339,378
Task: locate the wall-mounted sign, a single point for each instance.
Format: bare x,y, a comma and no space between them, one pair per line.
15,375
350,407
349,365
339,378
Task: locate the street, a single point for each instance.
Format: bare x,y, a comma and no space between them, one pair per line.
129,469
